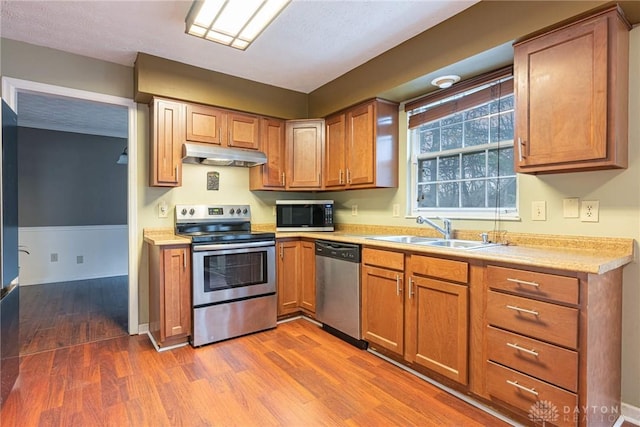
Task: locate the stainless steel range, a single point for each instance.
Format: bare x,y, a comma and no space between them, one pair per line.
233,272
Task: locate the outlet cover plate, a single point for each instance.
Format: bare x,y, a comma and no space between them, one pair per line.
590,211
539,210
571,207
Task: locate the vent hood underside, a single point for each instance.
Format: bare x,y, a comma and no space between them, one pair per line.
213,155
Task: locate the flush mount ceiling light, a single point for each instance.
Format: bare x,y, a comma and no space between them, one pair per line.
234,23
444,82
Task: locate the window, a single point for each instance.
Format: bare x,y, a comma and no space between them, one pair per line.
462,150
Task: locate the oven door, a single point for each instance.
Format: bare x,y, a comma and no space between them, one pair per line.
232,271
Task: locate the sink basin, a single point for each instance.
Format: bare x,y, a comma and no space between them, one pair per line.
405,239
458,244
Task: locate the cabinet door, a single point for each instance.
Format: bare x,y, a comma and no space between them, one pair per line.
176,298
360,145
383,308
437,325
244,131
272,174
335,154
206,124
288,274
562,91
305,141
308,276
165,163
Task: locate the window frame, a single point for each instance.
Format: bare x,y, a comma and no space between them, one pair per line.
443,103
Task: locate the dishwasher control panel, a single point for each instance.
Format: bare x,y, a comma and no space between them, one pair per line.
338,250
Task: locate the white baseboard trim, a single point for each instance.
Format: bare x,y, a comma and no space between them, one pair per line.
301,316
143,328
631,413
161,349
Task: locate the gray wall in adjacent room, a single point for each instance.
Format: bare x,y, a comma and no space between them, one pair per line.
70,179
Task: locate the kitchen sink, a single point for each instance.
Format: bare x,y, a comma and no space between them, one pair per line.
405,239
434,241
459,244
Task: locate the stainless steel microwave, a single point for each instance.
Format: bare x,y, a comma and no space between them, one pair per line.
304,215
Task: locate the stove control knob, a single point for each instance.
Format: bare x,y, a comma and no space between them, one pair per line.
245,211
232,211
183,211
192,211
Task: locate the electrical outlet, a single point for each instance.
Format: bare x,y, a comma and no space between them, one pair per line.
396,210
163,210
54,257
539,211
274,211
79,259
589,211
354,210
571,207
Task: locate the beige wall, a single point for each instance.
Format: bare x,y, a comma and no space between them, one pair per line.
617,191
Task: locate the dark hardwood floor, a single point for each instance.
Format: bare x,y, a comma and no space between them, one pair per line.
294,375
64,314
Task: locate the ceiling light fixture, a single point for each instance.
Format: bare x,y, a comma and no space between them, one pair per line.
234,23
444,82
124,158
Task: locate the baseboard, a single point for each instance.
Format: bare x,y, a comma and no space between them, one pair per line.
143,329
630,413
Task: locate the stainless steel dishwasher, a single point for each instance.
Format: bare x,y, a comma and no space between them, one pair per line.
338,290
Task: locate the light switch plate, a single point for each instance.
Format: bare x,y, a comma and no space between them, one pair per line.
163,209
571,207
539,210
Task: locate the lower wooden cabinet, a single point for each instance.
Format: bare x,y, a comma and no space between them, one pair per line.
170,294
296,276
383,299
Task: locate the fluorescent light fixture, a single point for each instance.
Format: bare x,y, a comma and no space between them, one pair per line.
234,23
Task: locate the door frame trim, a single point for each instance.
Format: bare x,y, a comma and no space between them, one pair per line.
10,88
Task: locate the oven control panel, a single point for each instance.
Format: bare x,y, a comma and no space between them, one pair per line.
189,213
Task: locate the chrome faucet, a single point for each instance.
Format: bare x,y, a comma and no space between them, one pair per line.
445,229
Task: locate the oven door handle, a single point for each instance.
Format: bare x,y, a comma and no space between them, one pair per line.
200,248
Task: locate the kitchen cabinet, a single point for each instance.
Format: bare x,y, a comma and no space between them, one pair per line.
554,337
383,299
170,294
437,315
362,147
270,176
417,307
571,91
304,148
227,128
296,279
166,139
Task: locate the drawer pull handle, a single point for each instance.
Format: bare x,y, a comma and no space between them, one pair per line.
523,282
521,387
522,310
526,350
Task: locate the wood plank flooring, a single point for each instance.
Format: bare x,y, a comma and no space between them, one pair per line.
294,375
63,314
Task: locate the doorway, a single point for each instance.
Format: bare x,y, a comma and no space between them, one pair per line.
94,293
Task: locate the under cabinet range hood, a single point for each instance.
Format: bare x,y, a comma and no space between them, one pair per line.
214,155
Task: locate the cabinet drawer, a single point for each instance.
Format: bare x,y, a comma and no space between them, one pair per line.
529,394
543,320
386,259
529,283
457,271
541,360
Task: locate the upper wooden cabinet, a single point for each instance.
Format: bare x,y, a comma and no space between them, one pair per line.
271,175
304,148
166,139
223,127
571,96
362,147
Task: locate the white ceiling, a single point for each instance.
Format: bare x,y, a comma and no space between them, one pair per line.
311,43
